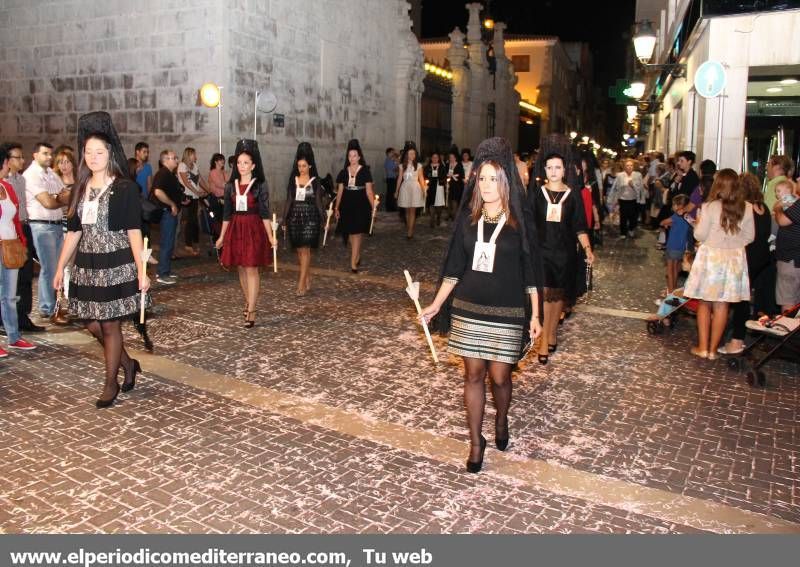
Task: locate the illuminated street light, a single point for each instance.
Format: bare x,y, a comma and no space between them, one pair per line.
585,139
573,135
644,42
211,96
636,90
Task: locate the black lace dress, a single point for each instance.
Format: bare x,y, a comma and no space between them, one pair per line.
558,242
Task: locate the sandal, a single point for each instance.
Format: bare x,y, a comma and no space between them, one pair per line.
697,352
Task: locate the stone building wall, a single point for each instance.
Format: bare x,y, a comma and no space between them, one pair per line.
339,69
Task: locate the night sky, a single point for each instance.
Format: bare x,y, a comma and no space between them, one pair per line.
605,25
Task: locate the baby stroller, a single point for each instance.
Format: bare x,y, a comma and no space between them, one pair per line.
211,208
778,336
669,310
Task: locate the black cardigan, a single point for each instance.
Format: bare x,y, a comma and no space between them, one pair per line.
124,208
259,190
442,178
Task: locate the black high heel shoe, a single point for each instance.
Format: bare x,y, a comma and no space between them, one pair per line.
475,466
543,359
101,403
250,323
501,442
130,383
552,348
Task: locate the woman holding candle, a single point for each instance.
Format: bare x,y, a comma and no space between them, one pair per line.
492,270
561,227
246,235
303,212
104,223
355,198
411,190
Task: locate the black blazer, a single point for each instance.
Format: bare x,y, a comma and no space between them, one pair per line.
441,177
124,207
290,194
259,190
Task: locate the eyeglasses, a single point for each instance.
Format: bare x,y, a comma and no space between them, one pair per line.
16,157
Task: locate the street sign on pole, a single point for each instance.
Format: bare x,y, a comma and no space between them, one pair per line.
710,79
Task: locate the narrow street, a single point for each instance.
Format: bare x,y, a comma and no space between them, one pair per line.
330,417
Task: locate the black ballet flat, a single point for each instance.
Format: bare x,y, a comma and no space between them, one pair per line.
543,358
475,466
354,270
552,348
501,442
128,385
101,403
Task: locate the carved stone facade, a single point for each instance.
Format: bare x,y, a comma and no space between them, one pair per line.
485,101
339,69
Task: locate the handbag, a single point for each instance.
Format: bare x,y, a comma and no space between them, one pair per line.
14,253
151,212
60,315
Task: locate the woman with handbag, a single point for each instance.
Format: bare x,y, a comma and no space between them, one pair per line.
104,222
14,254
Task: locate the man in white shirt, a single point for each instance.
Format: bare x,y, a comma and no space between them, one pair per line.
45,195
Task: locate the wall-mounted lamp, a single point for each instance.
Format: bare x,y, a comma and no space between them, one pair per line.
644,43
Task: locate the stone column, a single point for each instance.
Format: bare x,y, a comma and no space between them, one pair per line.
479,78
409,75
457,56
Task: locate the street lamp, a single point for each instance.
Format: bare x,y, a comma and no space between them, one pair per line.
636,90
573,135
644,43
211,96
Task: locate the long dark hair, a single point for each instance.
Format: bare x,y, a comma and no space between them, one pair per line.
85,174
503,187
258,172
404,157
354,145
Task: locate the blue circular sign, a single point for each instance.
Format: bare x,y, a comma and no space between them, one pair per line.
710,79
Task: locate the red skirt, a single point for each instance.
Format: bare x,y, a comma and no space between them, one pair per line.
246,243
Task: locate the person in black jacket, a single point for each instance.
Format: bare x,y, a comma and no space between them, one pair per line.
104,224
436,178
303,212
455,182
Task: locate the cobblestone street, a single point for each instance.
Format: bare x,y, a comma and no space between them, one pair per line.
329,416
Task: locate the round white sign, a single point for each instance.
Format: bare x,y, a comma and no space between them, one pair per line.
710,79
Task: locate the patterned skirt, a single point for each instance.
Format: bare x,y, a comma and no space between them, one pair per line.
486,332
719,274
304,225
104,284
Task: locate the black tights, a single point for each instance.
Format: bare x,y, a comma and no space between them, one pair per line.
109,335
475,370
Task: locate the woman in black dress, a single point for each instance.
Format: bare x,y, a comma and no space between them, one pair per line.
561,226
303,212
455,182
355,197
104,223
492,268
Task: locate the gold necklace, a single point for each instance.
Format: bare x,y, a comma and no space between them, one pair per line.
495,219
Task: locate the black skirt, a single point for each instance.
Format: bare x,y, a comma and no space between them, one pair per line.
355,213
304,225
